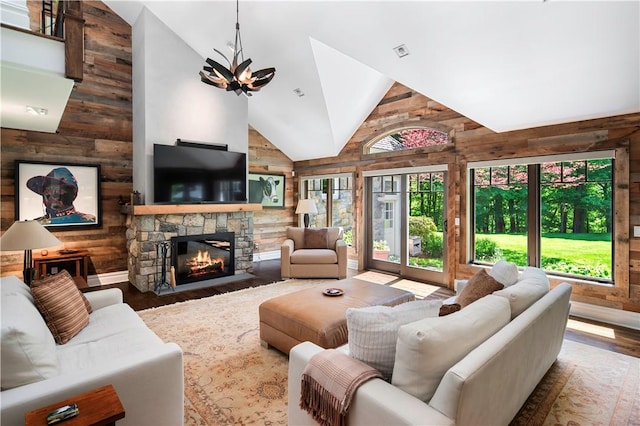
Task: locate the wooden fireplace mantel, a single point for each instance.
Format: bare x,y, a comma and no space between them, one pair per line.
150,209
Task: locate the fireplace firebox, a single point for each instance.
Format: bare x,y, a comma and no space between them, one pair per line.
203,257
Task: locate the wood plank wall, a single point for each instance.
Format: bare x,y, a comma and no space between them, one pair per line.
473,142
269,225
96,128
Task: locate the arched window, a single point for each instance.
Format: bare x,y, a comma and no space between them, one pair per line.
408,138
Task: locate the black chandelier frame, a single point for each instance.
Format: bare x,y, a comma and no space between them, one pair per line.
238,77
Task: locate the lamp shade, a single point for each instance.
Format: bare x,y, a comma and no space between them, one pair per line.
306,206
27,235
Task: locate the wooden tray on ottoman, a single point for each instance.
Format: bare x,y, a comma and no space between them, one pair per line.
310,315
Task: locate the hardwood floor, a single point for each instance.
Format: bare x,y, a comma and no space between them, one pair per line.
605,336
265,272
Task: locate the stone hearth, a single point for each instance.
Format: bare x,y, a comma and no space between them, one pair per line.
146,230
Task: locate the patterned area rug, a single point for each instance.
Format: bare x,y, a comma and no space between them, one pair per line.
585,386
231,380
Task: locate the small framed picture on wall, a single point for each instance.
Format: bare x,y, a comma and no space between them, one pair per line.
266,189
58,195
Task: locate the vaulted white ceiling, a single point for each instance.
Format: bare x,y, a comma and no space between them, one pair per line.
507,65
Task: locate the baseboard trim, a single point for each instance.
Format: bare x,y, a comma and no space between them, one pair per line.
266,255
607,315
108,278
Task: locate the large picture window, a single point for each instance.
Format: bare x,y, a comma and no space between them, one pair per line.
554,213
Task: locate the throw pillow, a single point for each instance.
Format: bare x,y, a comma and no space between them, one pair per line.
62,305
373,331
532,286
316,238
57,279
447,309
521,296
427,348
504,272
28,348
536,276
479,285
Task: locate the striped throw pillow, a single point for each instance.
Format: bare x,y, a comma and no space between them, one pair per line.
62,305
373,331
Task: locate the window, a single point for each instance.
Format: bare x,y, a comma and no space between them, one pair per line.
334,201
385,210
426,196
553,212
388,214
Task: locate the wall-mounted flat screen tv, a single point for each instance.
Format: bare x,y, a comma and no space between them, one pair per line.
189,174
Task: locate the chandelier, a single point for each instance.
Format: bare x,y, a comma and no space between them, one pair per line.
238,77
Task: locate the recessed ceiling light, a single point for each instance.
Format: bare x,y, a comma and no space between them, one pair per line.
36,110
298,92
401,50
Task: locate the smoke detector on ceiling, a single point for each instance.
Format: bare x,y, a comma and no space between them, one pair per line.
401,50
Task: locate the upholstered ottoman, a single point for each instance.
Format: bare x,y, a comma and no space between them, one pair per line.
309,315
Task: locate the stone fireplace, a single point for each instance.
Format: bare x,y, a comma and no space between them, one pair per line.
149,225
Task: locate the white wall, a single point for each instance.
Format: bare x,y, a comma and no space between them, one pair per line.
170,101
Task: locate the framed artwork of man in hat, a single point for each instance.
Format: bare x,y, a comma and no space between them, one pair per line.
58,194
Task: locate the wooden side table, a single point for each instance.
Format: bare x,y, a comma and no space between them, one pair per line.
76,263
98,407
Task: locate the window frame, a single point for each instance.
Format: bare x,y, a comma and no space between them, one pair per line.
329,190
619,287
418,124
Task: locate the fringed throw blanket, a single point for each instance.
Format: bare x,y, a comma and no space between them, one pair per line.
329,381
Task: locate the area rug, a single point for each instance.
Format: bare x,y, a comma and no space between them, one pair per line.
585,386
230,379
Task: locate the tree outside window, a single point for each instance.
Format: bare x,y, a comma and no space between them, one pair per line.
411,138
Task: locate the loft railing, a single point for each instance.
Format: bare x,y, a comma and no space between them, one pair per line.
52,21
66,24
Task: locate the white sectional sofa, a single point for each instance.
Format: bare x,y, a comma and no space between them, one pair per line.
115,348
487,386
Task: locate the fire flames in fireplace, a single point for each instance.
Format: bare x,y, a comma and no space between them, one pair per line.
203,264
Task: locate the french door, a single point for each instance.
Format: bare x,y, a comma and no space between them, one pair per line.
406,227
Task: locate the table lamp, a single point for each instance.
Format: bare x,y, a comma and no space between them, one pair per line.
27,235
305,207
